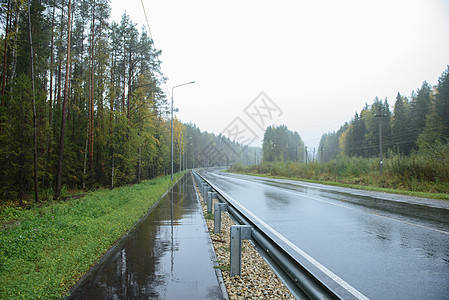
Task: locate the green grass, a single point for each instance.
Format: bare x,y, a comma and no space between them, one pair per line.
45,250
440,196
224,268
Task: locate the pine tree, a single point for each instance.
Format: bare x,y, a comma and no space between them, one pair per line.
400,124
64,107
281,144
355,142
419,108
36,192
442,101
5,53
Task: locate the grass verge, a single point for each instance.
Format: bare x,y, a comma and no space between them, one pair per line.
45,250
439,196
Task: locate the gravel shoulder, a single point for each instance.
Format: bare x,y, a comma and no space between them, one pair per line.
258,280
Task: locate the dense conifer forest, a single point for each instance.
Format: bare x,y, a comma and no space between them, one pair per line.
415,122
84,103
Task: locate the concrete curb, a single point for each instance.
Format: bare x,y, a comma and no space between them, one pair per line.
221,283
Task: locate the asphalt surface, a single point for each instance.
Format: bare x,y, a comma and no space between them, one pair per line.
385,246
169,256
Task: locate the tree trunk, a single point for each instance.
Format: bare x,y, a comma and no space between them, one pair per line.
124,76
50,107
85,158
112,172
58,90
21,156
14,52
5,60
36,194
139,167
112,87
139,163
101,84
128,101
91,100
64,106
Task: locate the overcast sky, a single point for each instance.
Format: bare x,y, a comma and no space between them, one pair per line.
318,61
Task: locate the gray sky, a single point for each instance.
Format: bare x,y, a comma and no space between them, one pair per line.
318,61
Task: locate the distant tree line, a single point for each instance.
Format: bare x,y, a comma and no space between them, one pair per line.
282,144
416,122
206,149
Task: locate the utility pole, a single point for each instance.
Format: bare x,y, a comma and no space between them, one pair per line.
171,132
180,148
306,154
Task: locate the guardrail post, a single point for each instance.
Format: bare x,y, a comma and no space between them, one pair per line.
219,207
238,233
202,188
206,190
210,197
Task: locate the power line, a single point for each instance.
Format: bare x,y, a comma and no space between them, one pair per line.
158,60
146,19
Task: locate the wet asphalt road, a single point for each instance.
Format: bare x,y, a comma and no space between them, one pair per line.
385,246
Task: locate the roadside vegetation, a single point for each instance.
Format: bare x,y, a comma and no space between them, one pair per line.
424,173
46,249
412,141
92,113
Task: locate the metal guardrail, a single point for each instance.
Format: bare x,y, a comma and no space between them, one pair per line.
298,278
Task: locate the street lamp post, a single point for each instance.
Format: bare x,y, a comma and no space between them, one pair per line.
180,151
172,90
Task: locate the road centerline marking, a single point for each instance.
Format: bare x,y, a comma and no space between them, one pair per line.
298,193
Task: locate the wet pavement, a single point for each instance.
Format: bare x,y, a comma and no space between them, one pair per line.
385,246
169,256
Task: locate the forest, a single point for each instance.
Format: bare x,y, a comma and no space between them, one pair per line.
84,104
416,122
282,144
406,148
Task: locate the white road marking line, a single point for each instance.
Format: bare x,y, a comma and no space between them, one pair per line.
306,256
323,269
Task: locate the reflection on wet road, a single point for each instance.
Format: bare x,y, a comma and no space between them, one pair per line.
386,246
161,259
